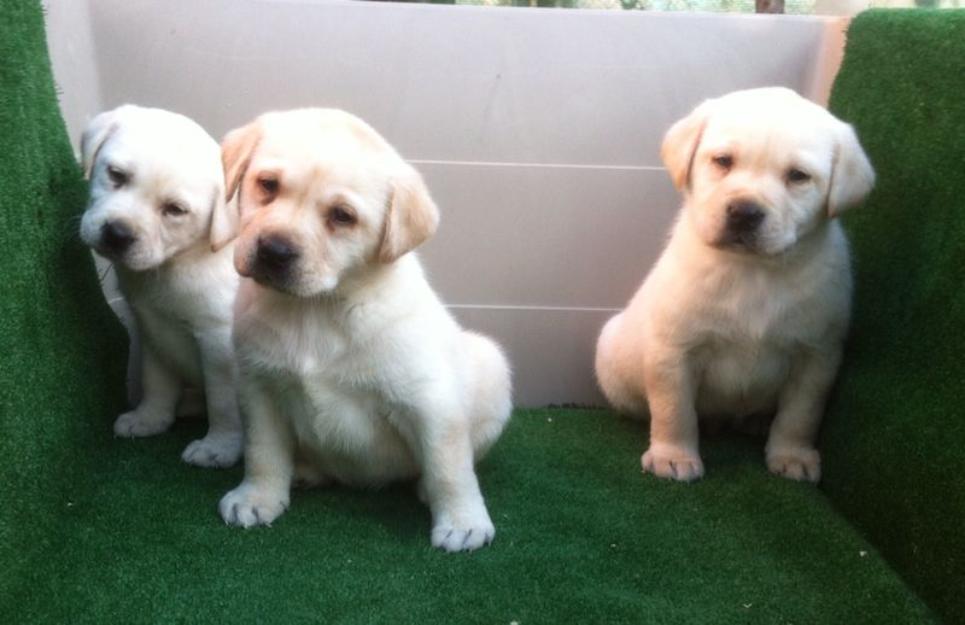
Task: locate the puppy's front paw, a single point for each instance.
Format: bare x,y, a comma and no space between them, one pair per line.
214,450
465,534
671,462
136,424
248,505
802,464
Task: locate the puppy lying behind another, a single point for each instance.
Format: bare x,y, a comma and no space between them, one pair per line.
352,370
746,310
155,181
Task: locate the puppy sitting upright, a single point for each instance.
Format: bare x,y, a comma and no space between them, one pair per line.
746,310
351,368
155,180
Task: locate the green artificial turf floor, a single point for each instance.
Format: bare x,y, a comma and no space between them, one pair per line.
582,537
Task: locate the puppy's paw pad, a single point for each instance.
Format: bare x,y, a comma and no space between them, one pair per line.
247,506
134,424
213,451
802,464
673,463
466,536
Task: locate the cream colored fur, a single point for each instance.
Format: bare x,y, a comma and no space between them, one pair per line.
158,174
353,370
732,329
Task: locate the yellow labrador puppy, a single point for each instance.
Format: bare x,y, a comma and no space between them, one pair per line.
155,181
746,310
352,369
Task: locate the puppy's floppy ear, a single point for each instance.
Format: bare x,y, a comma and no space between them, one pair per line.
680,145
236,150
852,176
98,131
220,214
411,217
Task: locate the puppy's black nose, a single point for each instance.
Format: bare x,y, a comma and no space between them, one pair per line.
275,253
744,216
116,237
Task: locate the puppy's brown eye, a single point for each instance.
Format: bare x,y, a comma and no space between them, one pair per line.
173,209
796,176
118,177
268,185
341,216
724,161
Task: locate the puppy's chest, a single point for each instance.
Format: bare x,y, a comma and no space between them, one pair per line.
329,390
328,413
188,307
756,310
317,356
290,347
748,341
752,334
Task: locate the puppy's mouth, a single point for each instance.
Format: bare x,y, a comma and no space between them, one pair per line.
135,257
740,242
131,262
109,253
278,264
271,278
278,279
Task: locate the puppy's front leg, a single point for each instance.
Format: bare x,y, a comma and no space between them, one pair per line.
155,413
269,463
460,521
221,447
674,440
790,445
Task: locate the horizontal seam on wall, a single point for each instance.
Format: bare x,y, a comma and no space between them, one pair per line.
421,161
526,307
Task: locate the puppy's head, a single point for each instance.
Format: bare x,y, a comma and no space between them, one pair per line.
155,180
321,197
762,168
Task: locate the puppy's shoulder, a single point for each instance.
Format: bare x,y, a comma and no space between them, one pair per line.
401,308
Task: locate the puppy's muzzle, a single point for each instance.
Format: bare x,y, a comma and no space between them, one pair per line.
744,217
274,258
116,238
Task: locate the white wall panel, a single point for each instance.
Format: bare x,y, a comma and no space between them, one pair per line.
538,131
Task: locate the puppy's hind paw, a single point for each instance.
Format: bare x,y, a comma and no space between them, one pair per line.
307,475
136,424
802,464
463,536
214,450
248,505
674,463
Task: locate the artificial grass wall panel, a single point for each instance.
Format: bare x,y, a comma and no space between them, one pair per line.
61,349
894,440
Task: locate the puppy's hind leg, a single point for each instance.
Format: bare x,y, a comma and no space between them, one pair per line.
155,413
492,402
307,473
619,371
